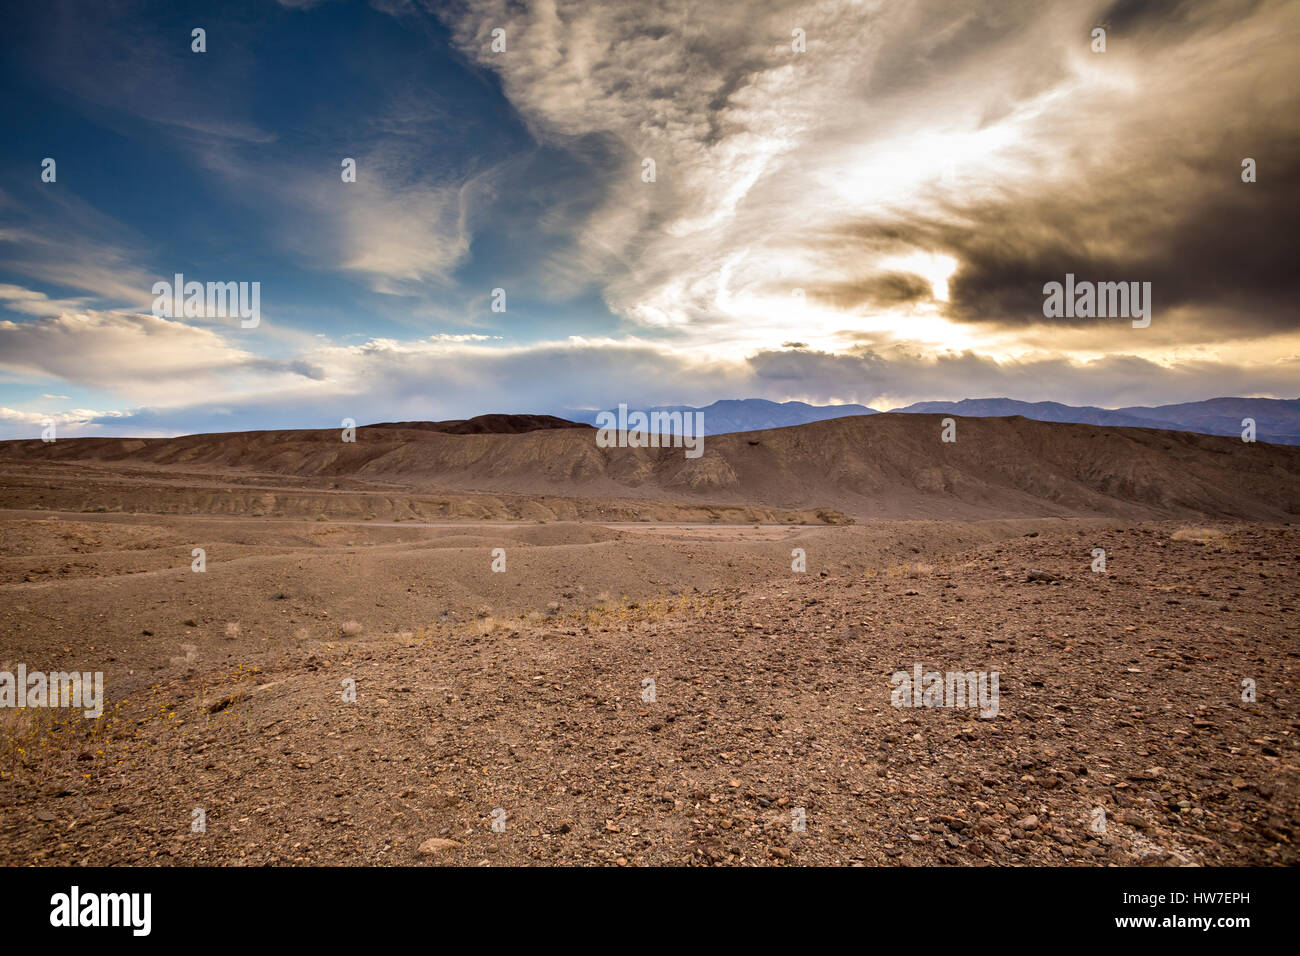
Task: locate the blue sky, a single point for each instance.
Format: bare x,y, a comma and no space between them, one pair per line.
867,219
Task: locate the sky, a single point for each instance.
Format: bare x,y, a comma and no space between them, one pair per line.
679,202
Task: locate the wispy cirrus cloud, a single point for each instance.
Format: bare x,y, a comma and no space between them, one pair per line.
988,135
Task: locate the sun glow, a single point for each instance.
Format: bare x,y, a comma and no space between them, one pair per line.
934,268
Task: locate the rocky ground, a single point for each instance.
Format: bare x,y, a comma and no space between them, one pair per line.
521,731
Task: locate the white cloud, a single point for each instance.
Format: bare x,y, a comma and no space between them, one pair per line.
140,357
28,302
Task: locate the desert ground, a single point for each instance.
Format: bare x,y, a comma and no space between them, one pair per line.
507,716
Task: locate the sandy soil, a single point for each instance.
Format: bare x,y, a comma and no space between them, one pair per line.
523,691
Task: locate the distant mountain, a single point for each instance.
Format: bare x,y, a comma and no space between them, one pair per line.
1276,420
745,414
1038,411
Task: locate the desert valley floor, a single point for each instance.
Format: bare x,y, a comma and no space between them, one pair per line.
506,716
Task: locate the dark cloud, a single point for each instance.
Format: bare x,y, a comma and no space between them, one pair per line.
890,288
1203,238
1218,242
894,376
1171,17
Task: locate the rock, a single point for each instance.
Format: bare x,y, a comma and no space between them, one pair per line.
1036,575
436,845
1028,823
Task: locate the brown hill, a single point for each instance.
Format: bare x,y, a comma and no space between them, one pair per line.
879,466
487,425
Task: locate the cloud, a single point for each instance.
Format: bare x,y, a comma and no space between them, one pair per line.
59,239
384,380
140,357
989,133
20,424
132,64
29,302
401,238
402,225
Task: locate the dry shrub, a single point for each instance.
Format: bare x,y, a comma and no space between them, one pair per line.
42,739
23,730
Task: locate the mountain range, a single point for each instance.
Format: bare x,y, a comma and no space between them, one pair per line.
743,415
1276,420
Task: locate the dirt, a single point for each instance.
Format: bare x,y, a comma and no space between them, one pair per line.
1119,691
501,647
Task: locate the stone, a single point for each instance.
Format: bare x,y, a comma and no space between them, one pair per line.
436,845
